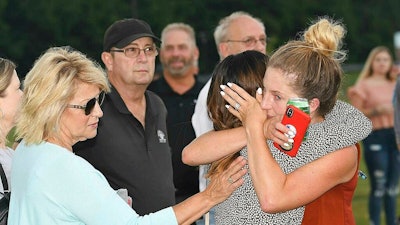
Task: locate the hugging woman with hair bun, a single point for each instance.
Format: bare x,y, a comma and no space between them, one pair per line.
317,185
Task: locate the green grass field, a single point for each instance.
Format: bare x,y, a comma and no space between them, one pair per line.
360,200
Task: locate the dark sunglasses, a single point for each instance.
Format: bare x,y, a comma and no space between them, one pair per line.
90,104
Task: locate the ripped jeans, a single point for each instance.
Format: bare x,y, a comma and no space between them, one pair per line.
383,163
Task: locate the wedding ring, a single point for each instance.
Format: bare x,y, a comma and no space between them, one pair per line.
230,180
237,106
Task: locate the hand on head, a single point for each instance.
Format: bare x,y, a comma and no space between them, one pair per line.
243,105
248,110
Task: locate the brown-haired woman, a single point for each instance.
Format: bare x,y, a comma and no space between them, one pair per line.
247,70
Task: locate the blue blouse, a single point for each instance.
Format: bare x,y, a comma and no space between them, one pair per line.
51,185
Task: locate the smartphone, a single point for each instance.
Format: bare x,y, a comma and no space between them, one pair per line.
297,121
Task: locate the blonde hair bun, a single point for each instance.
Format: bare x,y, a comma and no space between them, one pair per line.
326,36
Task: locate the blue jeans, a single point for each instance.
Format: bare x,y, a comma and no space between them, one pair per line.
383,163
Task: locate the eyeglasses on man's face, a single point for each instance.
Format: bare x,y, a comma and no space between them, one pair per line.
250,42
88,108
133,52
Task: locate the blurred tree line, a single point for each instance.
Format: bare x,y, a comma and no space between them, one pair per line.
28,27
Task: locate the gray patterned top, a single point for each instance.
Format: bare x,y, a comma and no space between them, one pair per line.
343,127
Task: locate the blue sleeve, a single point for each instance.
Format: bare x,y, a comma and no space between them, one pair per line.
85,193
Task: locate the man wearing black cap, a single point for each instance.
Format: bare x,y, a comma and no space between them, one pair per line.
131,147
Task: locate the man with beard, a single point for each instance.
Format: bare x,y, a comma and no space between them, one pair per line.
179,88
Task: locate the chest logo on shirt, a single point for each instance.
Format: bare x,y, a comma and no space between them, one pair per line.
161,136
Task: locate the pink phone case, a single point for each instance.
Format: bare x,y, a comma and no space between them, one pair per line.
297,121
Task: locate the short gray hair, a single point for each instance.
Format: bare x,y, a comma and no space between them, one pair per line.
179,26
221,31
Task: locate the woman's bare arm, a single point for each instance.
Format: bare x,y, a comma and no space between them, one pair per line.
279,192
213,146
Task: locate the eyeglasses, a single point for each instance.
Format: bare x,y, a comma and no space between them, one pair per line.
133,52
90,104
250,42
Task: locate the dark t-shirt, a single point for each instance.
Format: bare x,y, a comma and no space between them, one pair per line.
132,157
180,133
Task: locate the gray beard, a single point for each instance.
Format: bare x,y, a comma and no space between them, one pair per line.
178,72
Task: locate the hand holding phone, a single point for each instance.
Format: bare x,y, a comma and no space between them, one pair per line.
297,121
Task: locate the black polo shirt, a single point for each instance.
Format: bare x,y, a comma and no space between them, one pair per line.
180,133
133,157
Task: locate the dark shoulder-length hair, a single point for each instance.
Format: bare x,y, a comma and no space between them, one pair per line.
245,69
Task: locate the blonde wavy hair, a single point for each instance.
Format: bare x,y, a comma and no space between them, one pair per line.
49,86
312,65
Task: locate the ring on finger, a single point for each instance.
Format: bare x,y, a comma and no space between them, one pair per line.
237,106
230,180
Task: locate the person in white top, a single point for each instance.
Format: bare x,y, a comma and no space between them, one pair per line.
10,97
234,34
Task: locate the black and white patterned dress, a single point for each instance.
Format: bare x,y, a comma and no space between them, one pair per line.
343,127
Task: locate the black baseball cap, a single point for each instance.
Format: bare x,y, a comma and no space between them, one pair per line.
123,32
